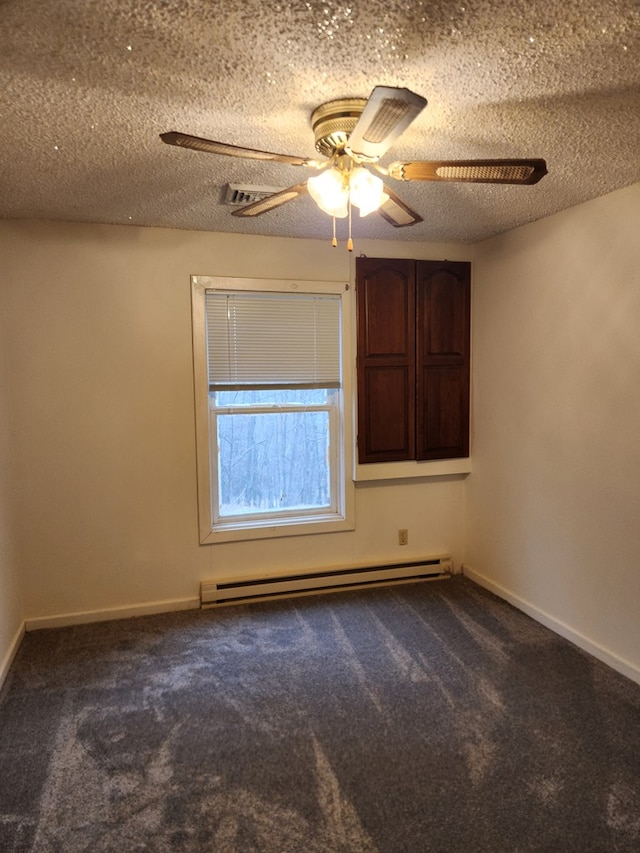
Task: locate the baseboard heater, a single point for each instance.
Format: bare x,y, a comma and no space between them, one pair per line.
245,590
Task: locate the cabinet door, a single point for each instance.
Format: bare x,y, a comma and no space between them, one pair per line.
386,359
443,296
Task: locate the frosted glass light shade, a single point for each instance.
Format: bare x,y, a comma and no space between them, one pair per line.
367,191
330,192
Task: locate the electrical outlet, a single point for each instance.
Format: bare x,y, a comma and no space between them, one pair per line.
403,537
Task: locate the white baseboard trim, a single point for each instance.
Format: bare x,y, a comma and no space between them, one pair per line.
12,651
610,658
81,618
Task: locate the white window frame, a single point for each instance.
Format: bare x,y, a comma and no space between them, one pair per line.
212,529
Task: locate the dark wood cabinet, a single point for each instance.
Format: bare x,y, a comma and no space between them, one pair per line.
413,359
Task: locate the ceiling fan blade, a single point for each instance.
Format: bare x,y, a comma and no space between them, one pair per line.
264,205
196,143
387,113
395,211
471,171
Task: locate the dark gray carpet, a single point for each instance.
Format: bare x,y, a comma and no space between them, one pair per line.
429,717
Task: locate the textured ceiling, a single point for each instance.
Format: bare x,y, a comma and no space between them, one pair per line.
86,87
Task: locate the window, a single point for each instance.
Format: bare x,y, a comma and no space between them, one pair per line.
272,436
413,359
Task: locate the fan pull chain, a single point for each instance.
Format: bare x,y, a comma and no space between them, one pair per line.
334,242
350,241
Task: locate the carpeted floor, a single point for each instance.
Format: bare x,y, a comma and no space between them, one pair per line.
427,718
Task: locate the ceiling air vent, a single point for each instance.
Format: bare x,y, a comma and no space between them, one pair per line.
237,195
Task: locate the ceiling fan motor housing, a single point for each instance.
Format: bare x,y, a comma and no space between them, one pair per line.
333,123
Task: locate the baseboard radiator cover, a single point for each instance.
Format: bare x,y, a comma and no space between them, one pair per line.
246,590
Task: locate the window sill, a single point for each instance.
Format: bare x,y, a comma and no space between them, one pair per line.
248,531
380,471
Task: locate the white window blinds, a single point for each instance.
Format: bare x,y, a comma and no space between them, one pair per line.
273,340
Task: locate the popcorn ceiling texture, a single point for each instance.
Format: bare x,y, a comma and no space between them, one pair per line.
86,87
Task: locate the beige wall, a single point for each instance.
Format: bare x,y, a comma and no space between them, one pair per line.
553,503
11,611
95,371
99,348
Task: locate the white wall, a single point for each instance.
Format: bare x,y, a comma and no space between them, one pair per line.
553,503
11,613
99,346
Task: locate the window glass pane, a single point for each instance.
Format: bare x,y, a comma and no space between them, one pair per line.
273,462
286,397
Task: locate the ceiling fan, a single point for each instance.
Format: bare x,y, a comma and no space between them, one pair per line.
353,134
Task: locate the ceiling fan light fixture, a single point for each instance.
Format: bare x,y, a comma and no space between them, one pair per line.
353,134
330,191
335,188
